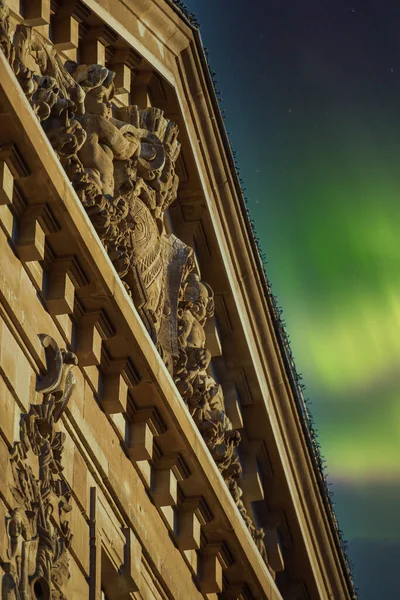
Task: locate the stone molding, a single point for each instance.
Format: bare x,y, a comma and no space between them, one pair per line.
121,163
118,323
278,413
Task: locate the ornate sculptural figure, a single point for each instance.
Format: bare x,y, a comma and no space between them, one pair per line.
197,303
105,141
37,528
121,162
198,388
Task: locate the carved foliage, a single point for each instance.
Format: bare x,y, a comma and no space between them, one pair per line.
37,527
120,161
122,165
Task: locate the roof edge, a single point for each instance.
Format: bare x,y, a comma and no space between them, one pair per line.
279,327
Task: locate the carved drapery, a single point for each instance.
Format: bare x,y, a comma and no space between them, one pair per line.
121,162
37,527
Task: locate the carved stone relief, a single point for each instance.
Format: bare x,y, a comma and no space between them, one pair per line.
37,527
201,393
121,162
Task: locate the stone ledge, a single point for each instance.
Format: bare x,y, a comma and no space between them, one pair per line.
57,191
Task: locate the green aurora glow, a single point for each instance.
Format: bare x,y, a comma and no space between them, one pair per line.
312,94
336,269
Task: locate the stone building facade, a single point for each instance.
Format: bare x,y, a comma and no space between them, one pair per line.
152,442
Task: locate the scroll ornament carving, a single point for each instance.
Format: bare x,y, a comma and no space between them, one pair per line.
37,527
121,162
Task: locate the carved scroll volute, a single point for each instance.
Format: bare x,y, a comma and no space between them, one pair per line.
37,528
59,379
121,163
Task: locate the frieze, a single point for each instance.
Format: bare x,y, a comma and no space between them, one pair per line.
121,162
37,526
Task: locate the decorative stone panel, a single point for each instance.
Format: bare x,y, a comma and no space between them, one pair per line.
121,163
37,526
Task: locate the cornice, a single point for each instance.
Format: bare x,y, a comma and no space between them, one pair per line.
266,327
175,41
156,17
58,193
260,306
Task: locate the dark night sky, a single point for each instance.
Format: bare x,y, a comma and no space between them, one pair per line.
311,92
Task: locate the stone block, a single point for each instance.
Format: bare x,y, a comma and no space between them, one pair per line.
80,479
87,344
65,324
37,12
94,428
192,556
188,530
6,219
66,33
15,7
169,517
213,343
6,184
36,273
93,374
140,442
144,468
164,487
93,52
131,570
10,273
59,293
68,453
149,415
124,99
232,405
71,54
251,482
10,152
80,539
122,80
110,530
273,548
15,366
9,352
120,424
25,380
30,239
210,574
113,393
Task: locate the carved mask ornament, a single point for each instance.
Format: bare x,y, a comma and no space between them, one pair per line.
121,162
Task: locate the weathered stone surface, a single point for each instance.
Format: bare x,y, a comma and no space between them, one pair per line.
121,162
37,528
6,184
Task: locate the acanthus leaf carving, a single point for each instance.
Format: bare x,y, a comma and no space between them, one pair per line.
121,162
37,528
